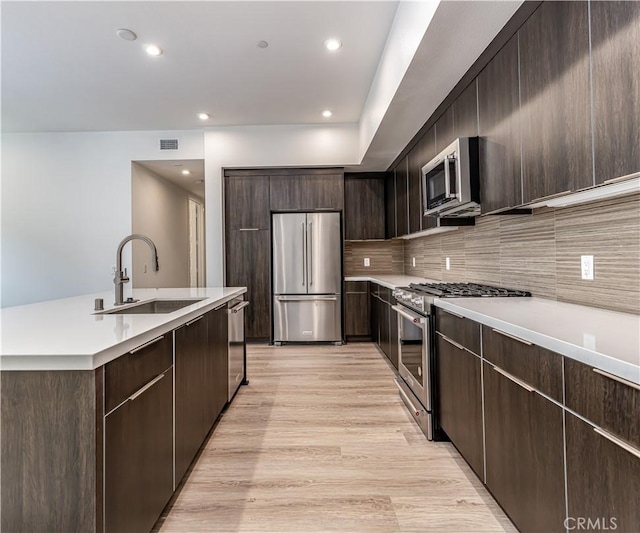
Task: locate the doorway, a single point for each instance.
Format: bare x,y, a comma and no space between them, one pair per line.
168,206
196,243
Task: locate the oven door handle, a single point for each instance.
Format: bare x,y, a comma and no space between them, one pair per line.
413,318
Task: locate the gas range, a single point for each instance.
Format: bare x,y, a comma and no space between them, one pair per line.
420,296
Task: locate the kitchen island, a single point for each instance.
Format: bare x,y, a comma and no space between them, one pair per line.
103,413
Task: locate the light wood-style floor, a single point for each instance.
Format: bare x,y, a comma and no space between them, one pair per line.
320,441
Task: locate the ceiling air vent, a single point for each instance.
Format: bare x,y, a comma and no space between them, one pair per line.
168,144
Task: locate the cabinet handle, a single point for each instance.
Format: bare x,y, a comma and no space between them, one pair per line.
146,387
195,320
249,229
459,346
238,307
514,379
617,442
454,314
616,378
147,344
513,337
219,307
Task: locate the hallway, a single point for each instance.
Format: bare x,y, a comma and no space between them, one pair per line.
320,441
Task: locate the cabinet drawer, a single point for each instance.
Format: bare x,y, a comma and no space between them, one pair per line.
608,403
462,330
532,364
356,286
126,374
603,478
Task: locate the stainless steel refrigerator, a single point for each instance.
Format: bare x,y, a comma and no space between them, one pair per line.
307,277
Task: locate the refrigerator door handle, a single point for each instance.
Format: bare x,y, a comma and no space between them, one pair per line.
310,248
304,255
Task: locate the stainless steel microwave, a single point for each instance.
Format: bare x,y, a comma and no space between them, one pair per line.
450,183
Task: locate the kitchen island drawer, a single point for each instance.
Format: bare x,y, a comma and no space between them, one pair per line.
127,374
536,366
459,329
606,400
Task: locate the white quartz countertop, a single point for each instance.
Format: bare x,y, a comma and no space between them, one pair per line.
391,281
67,334
606,340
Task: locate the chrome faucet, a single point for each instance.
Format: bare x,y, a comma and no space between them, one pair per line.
121,277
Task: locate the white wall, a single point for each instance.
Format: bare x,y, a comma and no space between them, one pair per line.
66,204
160,210
409,26
265,146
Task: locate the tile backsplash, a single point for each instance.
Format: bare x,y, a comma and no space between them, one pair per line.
386,257
539,252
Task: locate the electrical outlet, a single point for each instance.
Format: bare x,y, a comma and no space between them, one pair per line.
145,269
447,263
586,266
413,261
367,262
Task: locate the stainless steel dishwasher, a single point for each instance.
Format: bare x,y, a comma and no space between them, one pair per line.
236,344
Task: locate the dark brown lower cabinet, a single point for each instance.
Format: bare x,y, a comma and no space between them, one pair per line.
217,366
603,480
524,453
191,354
357,315
460,401
139,458
375,320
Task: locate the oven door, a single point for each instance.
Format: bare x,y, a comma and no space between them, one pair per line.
440,182
413,350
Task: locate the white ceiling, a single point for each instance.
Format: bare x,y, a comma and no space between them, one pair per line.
172,170
64,68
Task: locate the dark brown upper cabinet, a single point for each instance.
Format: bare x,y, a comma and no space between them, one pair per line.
247,202
465,112
364,206
287,192
615,49
402,198
444,130
324,191
555,100
390,205
499,129
307,191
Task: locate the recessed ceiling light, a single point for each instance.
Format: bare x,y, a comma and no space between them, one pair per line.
186,172
262,44
203,116
126,34
153,50
326,113
333,44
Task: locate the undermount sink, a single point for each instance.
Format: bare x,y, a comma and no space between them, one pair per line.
153,307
